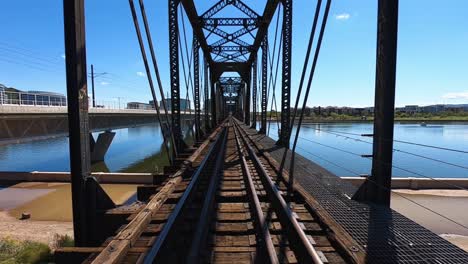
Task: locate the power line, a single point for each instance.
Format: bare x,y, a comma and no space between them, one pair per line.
388,164
396,140
394,149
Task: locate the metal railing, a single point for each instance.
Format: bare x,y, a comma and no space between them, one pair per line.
32,99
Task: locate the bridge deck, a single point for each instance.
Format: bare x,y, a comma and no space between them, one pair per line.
386,235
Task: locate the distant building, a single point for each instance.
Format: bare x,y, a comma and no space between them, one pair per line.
138,105
14,96
184,104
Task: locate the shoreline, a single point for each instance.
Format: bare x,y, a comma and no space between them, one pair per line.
312,121
47,222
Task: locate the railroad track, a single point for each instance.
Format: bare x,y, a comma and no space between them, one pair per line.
233,208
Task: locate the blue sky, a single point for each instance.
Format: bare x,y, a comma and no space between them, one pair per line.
432,49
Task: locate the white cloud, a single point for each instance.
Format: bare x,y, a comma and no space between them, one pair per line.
343,16
105,83
141,74
456,95
63,56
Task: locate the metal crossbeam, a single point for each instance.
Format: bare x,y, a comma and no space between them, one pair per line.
231,48
230,37
215,22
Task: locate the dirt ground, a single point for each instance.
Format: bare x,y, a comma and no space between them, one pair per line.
40,231
50,207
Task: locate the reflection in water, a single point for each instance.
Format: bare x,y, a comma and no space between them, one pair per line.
448,135
135,149
140,149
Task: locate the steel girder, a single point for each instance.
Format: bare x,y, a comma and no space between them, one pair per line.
196,83
231,37
214,121
264,99
174,72
78,120
286,81
267,16
223,3
254,95
247,101
206,94
194,19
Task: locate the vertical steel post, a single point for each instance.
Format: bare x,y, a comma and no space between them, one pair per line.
247,102
254,94
206,94
264,99
78,122
214,121
196,83
286,84
377,188
174,72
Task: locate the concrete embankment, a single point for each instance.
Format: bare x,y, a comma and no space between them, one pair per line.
102,177
147,178
418,183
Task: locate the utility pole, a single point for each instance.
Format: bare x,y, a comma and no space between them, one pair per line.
92,82
92,85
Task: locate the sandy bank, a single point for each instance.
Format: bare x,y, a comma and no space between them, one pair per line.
50,208
52,201
40,231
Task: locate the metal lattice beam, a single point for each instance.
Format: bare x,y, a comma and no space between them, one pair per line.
286,82
206,94
194,19
215,9
230,37
215,22
267,16
244,8
245,49
254,95
174,71
264,99
196,83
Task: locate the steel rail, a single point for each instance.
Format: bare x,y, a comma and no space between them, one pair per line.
306,253
158,246
257,210
203,225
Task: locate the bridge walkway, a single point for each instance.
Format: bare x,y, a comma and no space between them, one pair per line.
385,235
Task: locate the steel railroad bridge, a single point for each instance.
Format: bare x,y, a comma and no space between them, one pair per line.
236,195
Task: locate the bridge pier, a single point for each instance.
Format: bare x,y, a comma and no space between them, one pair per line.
100,146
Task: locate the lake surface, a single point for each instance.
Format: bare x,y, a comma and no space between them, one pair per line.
336,146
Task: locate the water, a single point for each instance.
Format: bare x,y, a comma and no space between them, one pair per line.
339,152
138,149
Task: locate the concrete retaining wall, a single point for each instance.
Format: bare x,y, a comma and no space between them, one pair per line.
418,183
